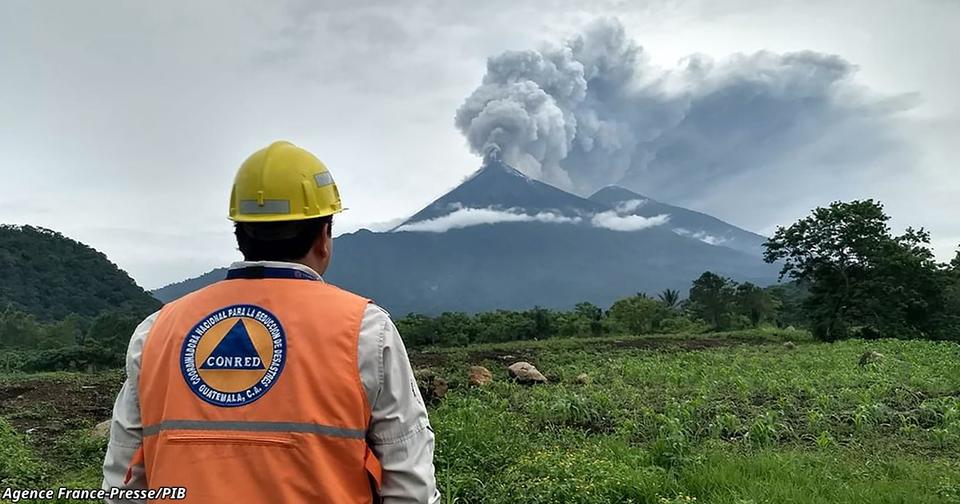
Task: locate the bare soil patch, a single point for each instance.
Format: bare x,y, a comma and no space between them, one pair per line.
46,407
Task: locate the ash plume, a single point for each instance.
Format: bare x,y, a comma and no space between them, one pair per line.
593,111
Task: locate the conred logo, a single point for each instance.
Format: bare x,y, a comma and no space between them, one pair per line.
234,355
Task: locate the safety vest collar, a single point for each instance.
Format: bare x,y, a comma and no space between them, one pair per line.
255,270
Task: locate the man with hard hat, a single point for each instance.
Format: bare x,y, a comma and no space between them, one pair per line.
272,386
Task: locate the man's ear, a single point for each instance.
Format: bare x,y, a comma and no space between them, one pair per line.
321,246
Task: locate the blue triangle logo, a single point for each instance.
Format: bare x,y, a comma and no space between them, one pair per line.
235,351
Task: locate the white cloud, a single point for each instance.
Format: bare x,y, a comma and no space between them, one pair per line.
611,220
702,236
467,217
630,206
619,219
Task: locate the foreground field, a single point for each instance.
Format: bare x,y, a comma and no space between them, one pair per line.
736,418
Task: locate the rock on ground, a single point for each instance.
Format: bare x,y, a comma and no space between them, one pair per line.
480,376
102,429
524,372
432,387
583,379
869,357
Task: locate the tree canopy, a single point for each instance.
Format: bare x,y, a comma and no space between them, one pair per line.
861,277
51,276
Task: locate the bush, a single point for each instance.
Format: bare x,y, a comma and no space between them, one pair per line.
680,323
75,358
639,314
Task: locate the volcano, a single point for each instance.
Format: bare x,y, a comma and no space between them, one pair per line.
502,240
501,187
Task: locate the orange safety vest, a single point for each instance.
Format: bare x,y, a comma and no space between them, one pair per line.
250,393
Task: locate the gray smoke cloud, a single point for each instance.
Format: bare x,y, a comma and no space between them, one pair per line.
594,111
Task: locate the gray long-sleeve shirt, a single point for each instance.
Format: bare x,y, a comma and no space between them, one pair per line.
399,434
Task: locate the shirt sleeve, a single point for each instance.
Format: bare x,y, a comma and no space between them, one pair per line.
400,434
126,429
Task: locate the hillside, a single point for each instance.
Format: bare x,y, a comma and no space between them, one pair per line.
685,222
51,276
173,291
518,265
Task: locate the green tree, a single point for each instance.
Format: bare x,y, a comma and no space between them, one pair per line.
951,309
790,298
590,316
670,298
544,322
19,329
588,311
454,328
859,274
418,330
638,315
65,333
712,298
109,335
755,303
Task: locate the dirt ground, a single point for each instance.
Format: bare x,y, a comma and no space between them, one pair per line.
45,407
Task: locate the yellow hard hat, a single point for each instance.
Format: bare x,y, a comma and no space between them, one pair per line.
283,182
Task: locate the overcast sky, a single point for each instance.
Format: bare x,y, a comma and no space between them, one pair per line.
122,123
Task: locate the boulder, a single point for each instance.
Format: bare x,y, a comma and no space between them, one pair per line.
870,357
480,376
524,372
102,429
438,388
432,387
789,345
583,379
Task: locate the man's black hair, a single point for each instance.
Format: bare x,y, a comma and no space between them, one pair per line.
279,241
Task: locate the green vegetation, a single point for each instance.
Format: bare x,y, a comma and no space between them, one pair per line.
850,278
18,465
865,281
63,305
50,276
715,304
72,344
729,418
740,422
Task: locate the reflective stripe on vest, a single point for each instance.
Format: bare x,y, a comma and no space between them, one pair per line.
250,392
241,426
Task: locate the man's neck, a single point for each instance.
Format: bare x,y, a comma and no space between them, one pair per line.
303,265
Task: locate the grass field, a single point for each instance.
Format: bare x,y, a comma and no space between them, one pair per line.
732,418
